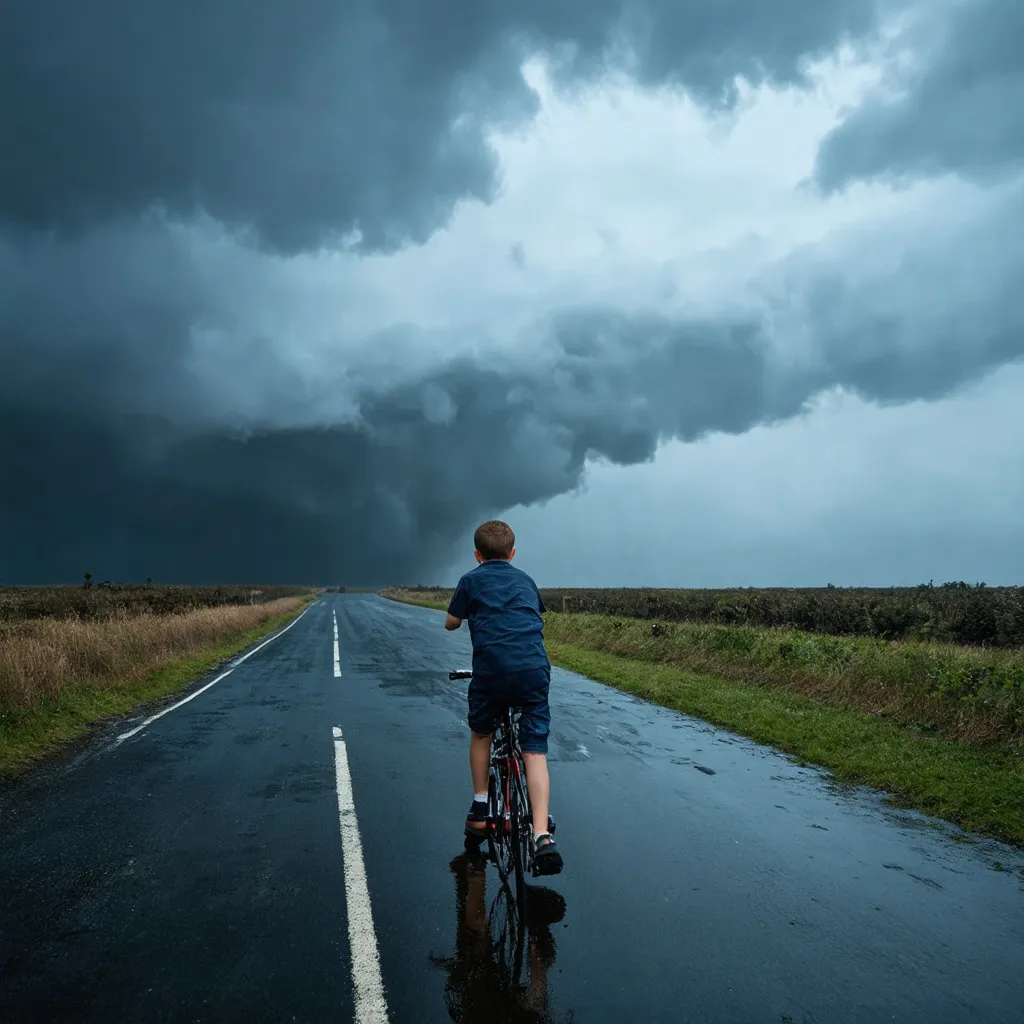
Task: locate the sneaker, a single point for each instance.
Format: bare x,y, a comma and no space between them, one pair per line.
476,820
547,860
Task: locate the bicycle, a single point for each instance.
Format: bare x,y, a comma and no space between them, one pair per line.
509,829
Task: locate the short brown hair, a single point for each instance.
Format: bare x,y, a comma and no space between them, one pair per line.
494,539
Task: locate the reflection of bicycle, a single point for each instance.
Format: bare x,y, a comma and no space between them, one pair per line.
493,944
509,829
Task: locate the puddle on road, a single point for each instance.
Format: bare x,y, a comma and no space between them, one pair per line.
609,721
499,970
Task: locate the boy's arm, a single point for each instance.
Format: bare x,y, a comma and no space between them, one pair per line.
458,607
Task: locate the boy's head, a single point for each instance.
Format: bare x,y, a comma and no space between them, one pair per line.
494,540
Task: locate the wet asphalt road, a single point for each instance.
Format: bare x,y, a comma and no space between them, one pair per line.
194,871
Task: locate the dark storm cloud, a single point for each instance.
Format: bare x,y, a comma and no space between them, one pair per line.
962,111
95,324
127,450
302,121
131,491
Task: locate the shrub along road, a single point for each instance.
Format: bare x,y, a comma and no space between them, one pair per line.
211,867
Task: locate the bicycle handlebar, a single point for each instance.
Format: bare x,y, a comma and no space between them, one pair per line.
462,673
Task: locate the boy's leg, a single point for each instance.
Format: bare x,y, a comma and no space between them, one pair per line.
481,718
479,767
538,782
479,762
532,697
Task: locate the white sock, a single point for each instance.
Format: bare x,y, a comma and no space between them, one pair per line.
480,798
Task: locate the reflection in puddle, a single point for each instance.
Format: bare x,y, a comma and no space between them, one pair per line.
499,972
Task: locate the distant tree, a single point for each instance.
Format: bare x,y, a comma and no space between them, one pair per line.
149,581
88,579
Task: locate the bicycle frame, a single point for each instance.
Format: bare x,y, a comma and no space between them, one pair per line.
510,815
508,833
508,767
509,830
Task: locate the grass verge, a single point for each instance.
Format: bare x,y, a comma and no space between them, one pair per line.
28,734
979,787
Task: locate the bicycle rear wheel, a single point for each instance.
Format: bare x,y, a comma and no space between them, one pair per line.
521,815
521,857
499,827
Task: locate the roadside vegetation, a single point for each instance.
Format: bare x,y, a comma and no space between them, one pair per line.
938,726
105,600
62,674
954,613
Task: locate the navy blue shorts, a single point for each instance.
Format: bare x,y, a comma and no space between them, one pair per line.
528,691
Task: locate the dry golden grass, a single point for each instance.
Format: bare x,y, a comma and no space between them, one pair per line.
40,658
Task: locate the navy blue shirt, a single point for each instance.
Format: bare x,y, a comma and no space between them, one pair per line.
503,606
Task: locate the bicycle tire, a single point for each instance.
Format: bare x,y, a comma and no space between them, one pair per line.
521,859
500,794
521,818
498,837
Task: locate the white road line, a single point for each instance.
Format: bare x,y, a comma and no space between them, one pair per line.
337,653
192,696
371,1007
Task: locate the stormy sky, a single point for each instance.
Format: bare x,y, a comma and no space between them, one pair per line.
693,292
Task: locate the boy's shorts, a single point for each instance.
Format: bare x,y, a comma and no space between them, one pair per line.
489,697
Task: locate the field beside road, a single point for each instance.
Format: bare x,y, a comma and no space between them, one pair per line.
71,657
954,613
110,600
939,726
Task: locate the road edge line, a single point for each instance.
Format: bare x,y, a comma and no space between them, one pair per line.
192,696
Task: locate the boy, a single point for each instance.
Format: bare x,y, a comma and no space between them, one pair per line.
510,669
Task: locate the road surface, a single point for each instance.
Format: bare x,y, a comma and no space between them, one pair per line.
209,867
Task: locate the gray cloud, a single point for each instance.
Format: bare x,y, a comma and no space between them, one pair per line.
150,426
304,121
118,481
961,110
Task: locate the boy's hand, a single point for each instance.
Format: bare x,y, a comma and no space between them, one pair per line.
451,622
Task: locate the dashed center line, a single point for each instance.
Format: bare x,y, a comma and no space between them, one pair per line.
367,983
337,652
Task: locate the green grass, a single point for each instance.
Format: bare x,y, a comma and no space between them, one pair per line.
978,787
28,735
965,693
